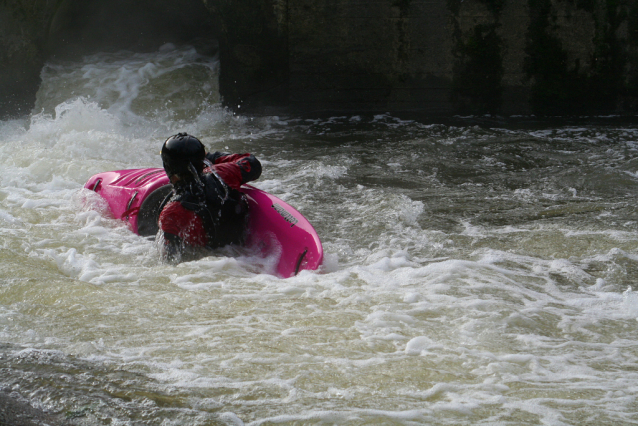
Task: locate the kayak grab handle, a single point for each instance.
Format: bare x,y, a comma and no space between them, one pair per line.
97,182
128,206
301,256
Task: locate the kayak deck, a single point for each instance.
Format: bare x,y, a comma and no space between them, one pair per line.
274,227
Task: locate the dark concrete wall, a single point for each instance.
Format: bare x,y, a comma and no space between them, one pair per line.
253,43
370,55
432,56
24,29
470,56
425,56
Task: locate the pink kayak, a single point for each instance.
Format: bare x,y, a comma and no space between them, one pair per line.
274,227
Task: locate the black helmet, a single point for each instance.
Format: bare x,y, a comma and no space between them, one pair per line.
179,152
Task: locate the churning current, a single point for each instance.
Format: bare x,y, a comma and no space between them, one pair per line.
472,275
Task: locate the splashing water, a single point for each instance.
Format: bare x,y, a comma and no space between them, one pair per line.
472,276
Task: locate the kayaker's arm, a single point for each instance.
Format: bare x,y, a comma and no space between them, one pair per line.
214,157
171,249
235,169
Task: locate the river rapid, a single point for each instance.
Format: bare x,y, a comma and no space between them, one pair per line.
473,274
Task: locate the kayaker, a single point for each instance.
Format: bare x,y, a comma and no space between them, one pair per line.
206,208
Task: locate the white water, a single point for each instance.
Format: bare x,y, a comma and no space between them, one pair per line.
472,276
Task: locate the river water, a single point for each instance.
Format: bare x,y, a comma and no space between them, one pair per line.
473,274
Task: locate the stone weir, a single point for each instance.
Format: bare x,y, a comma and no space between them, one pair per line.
433,57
